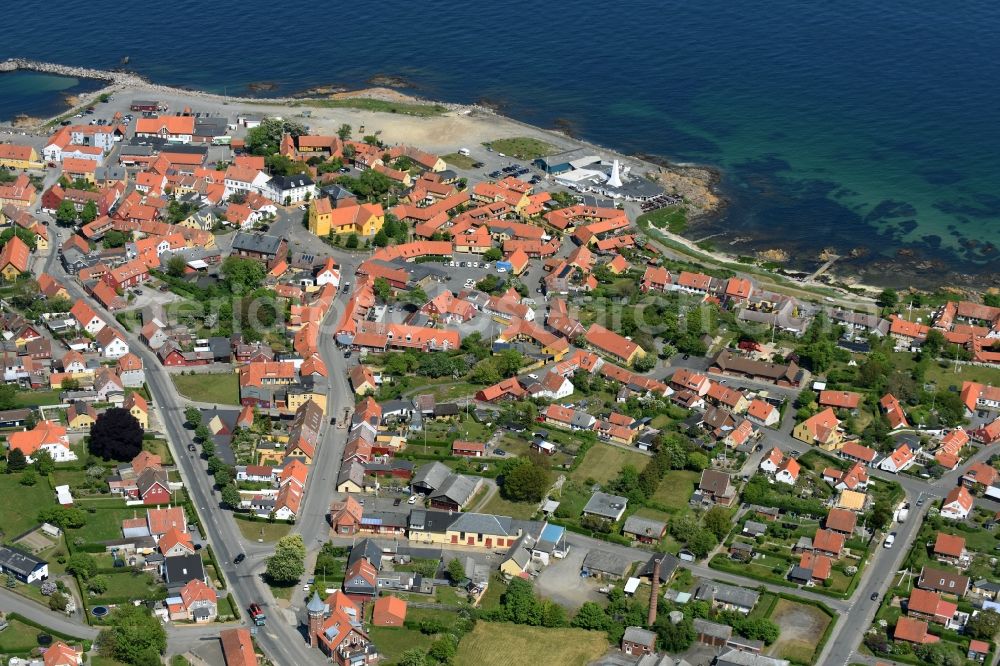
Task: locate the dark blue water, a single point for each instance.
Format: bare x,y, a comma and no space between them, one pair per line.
854,125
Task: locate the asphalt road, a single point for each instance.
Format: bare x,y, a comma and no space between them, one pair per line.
14,603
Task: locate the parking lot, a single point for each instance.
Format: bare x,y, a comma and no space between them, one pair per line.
561,581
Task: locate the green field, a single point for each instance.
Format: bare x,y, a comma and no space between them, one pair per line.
382,106
676,488
493,643
160,448
19,505
252,531
457,160
501,507
221,388
950,375
674,219
603,462
521,147
105,524
130,586
35,398
392,642
19,637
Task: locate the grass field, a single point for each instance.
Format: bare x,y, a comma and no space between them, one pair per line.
222,388
801,626
457,160
160,448
603,462
501,507
674,219
392,642
19,637
382,106
271,531
950,376
35,398
521,147
19,505
676,488
492,644
132,587
105,524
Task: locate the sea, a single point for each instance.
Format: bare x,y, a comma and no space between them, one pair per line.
868,129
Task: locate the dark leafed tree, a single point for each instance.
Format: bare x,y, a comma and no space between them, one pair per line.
116,435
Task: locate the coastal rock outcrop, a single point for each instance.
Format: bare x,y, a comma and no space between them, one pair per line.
693,184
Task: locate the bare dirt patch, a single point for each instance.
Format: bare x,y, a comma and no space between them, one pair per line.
802,626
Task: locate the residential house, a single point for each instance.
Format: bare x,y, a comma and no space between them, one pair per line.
957,504
716,487
822,429
727,597
939,580
608,507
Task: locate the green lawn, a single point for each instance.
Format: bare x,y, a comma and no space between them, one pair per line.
947,376
222,388
521,147
18,638
19,505
131,586
493,643
392,642
105,524
501,507
251,531
674,219
676,488
160,448
36,398
382,106
603,462
460,161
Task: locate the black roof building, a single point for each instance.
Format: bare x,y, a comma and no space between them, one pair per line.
180,570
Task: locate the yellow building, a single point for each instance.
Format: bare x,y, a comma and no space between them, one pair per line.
18,157
297,398
138,408
363,219
822,430
80,416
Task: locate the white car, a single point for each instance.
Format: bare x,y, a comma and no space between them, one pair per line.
475,264
501,270
412,500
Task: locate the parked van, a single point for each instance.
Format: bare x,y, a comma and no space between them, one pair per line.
463,151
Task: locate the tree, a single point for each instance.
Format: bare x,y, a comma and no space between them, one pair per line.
231,496
674,637
89,213
701,542
493,254
644,363
193,416
717,521
352,242
525,483
64,517
381,239
983,625
287,564
135,636
16,461
98,584
553,615
485,372
265,139
82,564
344,132
242,275
176,267
44,464
456,571
29,477
383,290
444,649
519,604
591,616
58,601
888,298
938,654
66,213
116,435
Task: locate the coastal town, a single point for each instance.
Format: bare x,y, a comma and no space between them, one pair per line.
281,389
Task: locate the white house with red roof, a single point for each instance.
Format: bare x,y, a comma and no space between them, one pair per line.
957,504
898,460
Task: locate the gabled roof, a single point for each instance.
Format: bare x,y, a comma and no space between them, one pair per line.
949,545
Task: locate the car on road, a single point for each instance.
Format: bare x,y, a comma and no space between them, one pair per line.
347,354
191,447
478,165
397,501
239,558
686,356
874,596
412,500
889,540
500,452
303,207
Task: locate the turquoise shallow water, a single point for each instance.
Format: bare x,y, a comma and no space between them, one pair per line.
858,126
38,95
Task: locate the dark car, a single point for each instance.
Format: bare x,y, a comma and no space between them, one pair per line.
874,596
239,558
397,502
500,452
191,447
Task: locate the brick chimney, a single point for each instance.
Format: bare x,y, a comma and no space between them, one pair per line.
654,593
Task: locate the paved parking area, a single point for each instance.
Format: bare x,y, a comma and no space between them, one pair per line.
561,581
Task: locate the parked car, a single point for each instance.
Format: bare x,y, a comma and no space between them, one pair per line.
239,558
